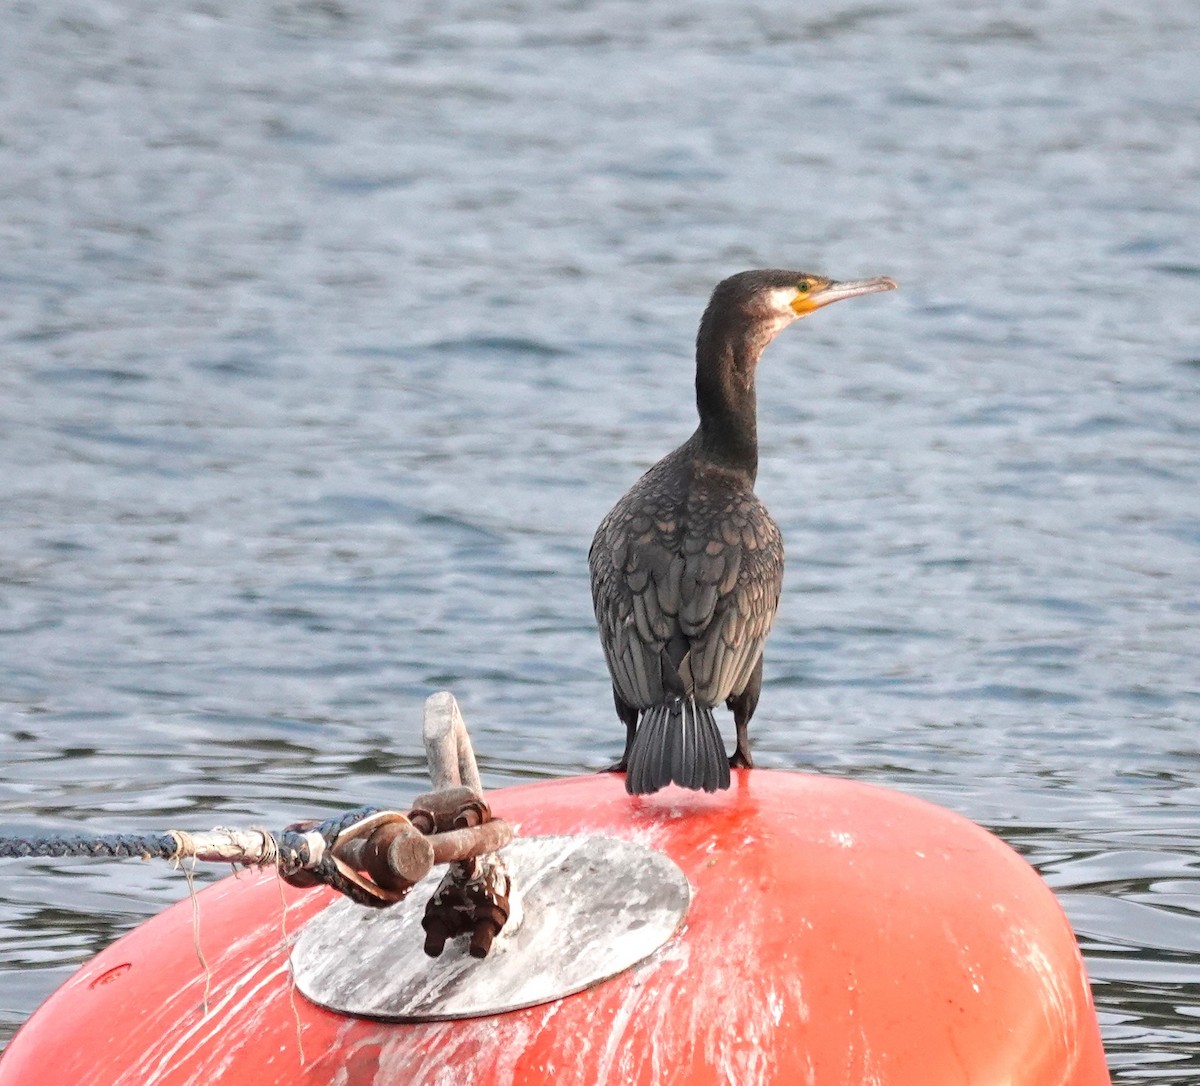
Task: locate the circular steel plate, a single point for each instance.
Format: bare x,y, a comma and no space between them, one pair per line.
585,909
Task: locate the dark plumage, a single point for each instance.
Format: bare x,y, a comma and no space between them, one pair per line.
687,567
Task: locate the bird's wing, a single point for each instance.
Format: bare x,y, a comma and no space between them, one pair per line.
733,573
636,573
685,578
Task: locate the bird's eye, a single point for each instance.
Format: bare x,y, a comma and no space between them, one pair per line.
803,286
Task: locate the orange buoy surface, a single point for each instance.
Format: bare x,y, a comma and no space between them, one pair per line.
839,934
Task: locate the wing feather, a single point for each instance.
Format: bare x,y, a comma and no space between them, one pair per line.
689,553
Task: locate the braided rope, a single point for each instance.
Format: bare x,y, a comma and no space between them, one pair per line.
294,847
303,852
115,846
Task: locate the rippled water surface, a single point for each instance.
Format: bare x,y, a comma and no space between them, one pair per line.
329,331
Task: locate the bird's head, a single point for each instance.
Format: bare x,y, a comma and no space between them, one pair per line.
809,292
774,298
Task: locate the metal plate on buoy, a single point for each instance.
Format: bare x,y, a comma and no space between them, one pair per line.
584,909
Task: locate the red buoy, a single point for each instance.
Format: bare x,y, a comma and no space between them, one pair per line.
839,934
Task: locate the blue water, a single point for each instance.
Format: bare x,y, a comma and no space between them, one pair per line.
330,330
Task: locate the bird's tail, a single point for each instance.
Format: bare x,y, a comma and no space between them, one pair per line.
677,741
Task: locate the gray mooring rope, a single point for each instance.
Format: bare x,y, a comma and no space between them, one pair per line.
302,851
114,846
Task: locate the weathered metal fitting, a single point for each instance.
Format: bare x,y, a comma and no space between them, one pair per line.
460,846
439,930
448,809
472,814
489,919
472,899
383,855
352,841
397,856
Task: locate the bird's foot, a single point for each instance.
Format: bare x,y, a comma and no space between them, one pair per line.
741,760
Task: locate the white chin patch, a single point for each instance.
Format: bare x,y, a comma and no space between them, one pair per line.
781,302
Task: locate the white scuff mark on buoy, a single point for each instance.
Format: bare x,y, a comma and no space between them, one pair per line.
243,995
775,1003
864,1064
736,1016
616,1060
459,1053
1057,1002
723,1004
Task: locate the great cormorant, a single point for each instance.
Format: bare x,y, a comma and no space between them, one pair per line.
687,567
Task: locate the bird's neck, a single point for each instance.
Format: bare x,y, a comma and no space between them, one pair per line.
727,353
